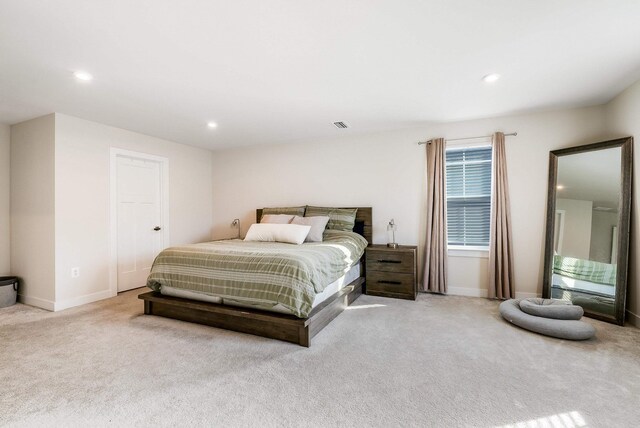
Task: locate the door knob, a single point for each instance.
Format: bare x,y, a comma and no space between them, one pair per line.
157,228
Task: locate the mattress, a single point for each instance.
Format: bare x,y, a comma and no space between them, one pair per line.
572,284
328,291
258,274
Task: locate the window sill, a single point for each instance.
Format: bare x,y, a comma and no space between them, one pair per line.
474,252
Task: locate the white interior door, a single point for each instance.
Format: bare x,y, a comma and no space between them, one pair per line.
140,234
558,233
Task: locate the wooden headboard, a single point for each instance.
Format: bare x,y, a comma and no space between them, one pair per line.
364,214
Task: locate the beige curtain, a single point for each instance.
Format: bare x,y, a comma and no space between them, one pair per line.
435,267
501,284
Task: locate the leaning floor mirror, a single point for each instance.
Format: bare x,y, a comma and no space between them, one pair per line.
588,219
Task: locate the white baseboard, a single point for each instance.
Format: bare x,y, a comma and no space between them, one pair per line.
524,295
37,302
483,292
633,319
77,301
466,291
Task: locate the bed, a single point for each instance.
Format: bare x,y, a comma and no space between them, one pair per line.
586,283
220,296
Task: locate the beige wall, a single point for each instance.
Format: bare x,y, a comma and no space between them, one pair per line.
5,214
387,171
623,120
32,210
527,166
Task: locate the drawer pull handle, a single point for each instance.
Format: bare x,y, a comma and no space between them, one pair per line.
382,281
389,261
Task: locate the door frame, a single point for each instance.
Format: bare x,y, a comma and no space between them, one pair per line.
163,162
560,214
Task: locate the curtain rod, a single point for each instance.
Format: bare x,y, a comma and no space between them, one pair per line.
511,134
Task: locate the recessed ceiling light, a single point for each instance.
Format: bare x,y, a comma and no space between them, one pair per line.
559,187
83,75
490,78
212,125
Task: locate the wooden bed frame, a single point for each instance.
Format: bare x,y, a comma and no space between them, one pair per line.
263,323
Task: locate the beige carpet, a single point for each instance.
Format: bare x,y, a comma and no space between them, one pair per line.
439,361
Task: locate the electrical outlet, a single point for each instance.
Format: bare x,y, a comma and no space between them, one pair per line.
75,272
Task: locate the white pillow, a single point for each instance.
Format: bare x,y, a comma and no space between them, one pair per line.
269,232
317,223
276,218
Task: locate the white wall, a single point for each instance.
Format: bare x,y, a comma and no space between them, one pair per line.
5,197
387,172
82,201
623,120
60,198
576,236
32,210
359,171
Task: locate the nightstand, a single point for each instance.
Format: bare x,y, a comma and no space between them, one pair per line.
391,272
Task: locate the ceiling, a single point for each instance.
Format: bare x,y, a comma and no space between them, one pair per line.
283,71
591,176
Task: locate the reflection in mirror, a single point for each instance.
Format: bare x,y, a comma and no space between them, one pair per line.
588,218
587,205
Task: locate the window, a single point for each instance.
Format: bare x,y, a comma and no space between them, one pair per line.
468,196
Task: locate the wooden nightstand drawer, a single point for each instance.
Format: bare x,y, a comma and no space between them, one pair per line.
388,283
389,261
391,272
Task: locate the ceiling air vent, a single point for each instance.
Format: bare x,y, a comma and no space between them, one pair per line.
340,125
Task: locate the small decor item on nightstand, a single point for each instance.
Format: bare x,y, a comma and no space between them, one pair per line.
236,224
391,234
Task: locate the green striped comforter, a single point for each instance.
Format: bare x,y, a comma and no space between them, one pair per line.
269,272
587,270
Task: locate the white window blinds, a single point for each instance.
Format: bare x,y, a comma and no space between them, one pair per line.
468,196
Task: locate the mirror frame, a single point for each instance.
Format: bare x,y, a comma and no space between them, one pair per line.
624,221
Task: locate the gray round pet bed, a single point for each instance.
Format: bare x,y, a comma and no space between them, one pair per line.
550,308
562,322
